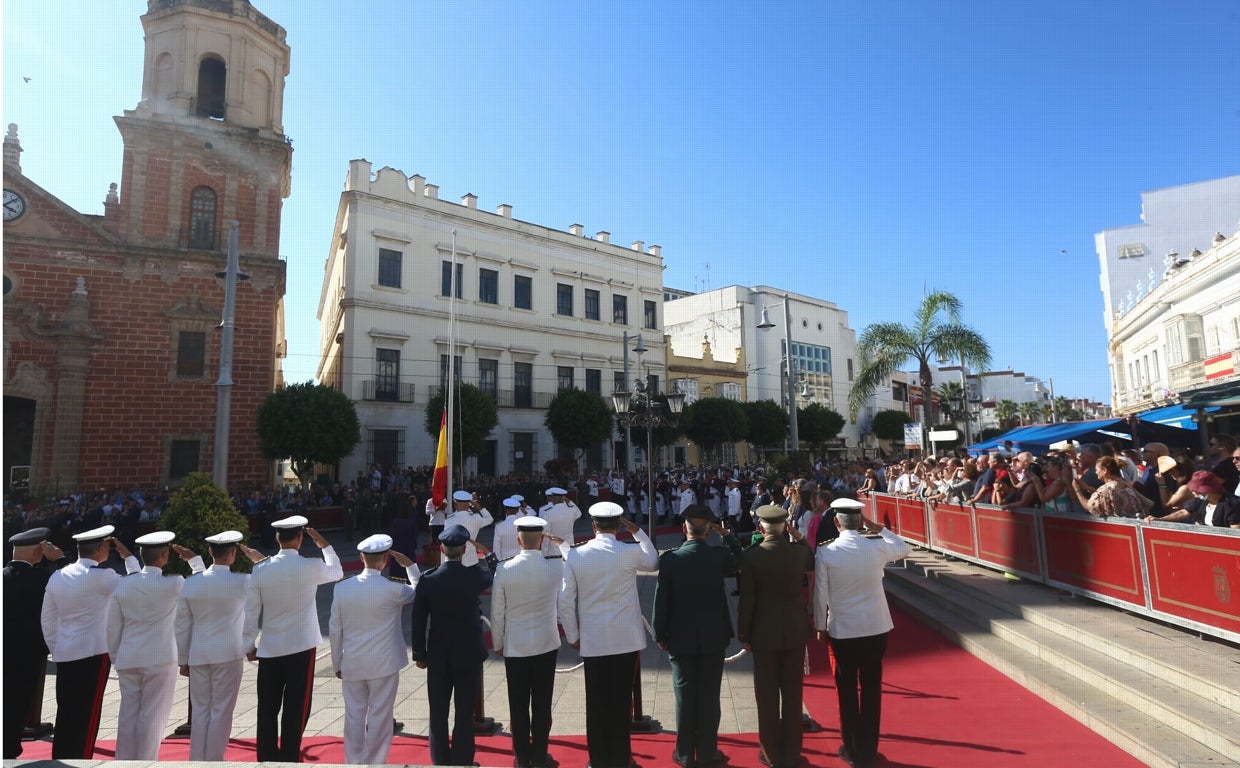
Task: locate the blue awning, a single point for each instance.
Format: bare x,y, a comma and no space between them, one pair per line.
1173,416
1038,438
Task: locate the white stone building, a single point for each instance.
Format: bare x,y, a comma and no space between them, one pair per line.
1175,220
538,310
1183,334
824,346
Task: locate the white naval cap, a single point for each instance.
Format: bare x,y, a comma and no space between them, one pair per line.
225,537
156,539
462,496
94,535
376,544
847,506
512,502
555,490
295,521
518,497
606,509
531,523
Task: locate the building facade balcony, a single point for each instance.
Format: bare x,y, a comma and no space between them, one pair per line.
387,390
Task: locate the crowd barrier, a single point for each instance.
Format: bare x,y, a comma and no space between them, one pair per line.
1184,575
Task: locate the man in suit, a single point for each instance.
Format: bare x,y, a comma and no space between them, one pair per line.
142,646
693,624
368,648
850,609
772,624
282,593
34,561
601,614
209,622
75,625
525,631
452,651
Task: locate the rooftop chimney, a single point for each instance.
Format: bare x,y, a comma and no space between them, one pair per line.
432,191
417,184
504,210
637,245
603,237
576,229
656,250
469,200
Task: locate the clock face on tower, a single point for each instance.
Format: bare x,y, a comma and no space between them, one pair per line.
14,205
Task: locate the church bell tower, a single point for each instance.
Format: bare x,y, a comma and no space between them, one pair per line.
206,143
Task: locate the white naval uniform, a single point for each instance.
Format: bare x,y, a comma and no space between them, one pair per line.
472,523
210,619
504,544
734,504
560,518
282,592
687,499
368,652
72,626
524,605
599,605
143,648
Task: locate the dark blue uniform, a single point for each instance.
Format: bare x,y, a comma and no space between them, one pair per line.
25,652
453,650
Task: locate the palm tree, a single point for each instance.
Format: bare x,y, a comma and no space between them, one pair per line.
936,334
1062,409
1029,412
951,393
1005,411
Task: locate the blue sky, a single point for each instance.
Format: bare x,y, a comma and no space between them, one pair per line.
860,151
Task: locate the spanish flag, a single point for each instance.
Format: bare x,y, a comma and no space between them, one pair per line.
439,483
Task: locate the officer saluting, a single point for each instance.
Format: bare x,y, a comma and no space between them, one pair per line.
25,653
143,647
473,517
75,626
453,650
368,648
282,592
560,516
209,622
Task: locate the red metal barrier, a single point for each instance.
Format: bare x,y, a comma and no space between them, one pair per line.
1194,575
1094,557
1009,538
911,521
951,528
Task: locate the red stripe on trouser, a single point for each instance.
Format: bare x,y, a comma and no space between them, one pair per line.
305,706
831,657
96,709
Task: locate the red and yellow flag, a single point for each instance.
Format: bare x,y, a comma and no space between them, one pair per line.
439,482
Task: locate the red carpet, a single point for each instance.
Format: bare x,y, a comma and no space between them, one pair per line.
941,707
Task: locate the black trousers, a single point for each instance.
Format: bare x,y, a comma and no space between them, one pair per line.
859,664
609,708
778,677
21,685
696,680
285,685
452,680
531,681
79,700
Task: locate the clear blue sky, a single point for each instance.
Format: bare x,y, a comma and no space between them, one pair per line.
860,151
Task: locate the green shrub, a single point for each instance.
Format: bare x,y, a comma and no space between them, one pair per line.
201,509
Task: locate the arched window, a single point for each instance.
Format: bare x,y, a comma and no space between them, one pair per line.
202,218
212,76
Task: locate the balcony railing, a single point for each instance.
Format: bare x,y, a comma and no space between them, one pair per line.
1187,375
510,398
386,390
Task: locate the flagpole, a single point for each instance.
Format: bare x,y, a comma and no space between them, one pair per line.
451,383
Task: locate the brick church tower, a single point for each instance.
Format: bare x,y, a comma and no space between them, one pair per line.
110,322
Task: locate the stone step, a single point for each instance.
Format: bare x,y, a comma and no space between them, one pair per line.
1149,717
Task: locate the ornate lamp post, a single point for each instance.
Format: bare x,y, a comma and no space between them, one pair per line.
790,362
640,409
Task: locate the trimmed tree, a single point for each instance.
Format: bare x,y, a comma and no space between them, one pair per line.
579,420
307,424
889,425
712,421
476,416
817,423
768,423
198,510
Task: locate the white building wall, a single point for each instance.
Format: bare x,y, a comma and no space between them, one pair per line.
359,316
1175,219
728,318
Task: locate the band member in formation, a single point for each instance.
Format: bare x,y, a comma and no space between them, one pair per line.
850,611
142,645
34,561
282,592
368,648
525,631
693,623
209,623
75,625
773,626
601,615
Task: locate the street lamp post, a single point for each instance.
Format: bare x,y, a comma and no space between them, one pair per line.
640,349
766,325
640,409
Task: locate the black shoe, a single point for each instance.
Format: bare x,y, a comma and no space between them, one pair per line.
762,758
845,756
718,759
547,762
680,759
